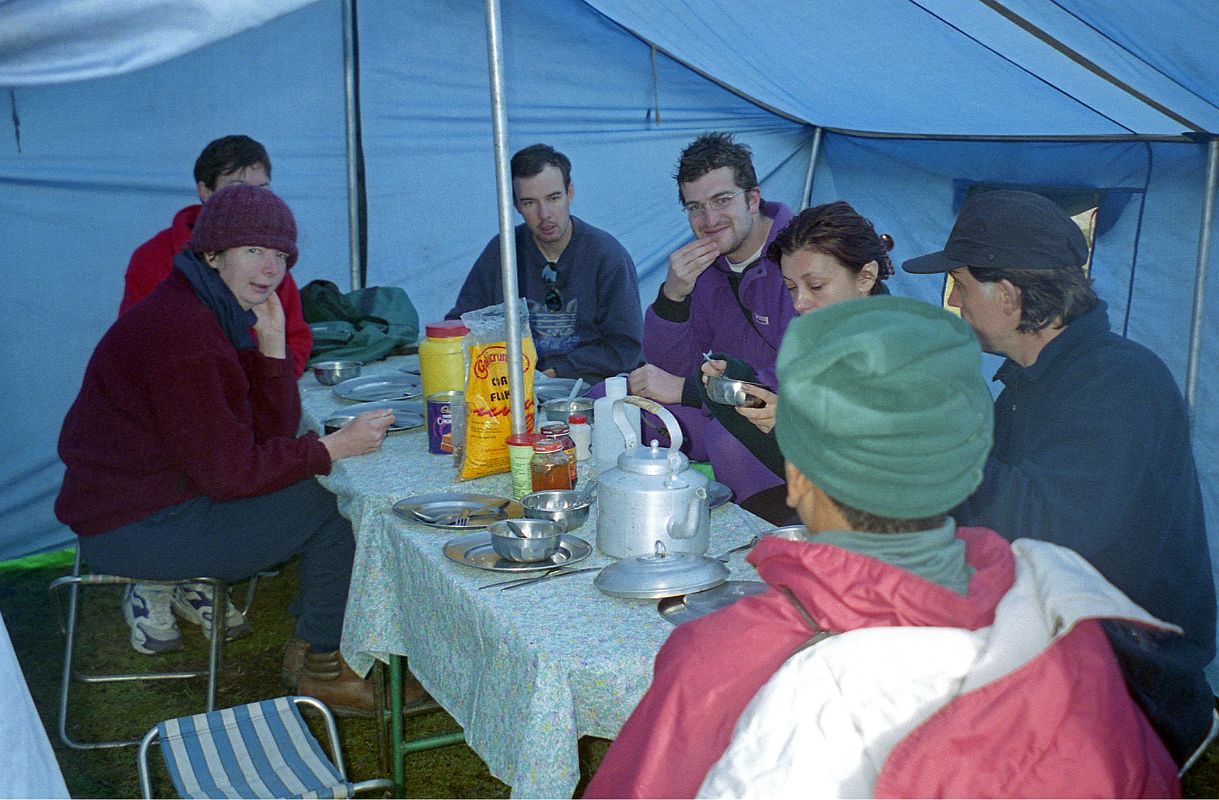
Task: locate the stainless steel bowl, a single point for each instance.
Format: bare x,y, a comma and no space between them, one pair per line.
728,390
792,533
559,410
332,372
541,540
567,507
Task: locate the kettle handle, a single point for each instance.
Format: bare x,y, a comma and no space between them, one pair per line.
666,416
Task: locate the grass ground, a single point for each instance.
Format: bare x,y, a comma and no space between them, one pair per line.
250,672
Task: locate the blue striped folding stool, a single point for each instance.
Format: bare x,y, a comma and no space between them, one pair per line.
262,749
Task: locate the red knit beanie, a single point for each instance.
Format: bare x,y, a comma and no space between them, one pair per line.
243,214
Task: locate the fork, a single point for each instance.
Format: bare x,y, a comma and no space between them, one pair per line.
463,519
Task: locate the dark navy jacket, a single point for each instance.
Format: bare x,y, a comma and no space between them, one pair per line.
597,330
1092,452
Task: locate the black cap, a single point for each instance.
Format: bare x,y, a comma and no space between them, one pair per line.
1005,229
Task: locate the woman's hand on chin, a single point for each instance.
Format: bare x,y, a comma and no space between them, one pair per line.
270,328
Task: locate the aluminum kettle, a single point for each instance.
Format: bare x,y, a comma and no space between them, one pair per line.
652,495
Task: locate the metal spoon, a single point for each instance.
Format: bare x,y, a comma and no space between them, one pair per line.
512,526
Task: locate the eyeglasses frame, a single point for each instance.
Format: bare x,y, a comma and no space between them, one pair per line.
717,203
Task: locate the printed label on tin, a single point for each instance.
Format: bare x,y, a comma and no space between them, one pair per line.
440,422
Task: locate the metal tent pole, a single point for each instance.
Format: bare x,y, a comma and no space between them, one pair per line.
806,196
507,241
349,108
1204,246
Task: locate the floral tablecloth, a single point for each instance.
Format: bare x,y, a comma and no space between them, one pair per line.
524,672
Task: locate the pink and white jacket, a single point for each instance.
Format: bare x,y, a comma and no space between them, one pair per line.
1009,690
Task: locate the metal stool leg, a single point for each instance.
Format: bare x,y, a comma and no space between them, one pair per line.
252,585
71,630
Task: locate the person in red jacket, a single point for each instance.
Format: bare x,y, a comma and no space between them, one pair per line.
896,653
229,159
181,449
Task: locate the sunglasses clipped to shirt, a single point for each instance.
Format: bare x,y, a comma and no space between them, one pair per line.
554,300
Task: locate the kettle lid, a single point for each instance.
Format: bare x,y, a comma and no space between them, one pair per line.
652,460
661,574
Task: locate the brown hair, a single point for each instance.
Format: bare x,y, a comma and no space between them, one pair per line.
712,151
229,154
839,231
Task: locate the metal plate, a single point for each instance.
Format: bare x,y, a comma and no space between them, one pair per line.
395,386
545,389
408,414
692,606
717,494
474,550
444,505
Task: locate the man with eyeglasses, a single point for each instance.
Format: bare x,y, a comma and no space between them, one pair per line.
721,295
579,281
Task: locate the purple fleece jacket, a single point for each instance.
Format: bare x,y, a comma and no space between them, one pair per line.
717,322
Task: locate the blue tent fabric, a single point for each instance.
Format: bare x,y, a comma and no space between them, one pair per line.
914,100
930,67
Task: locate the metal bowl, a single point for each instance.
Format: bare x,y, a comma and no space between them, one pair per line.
728,391
541,540
559,410
792,533
567,507
332,372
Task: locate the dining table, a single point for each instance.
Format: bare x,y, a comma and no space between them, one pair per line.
524,672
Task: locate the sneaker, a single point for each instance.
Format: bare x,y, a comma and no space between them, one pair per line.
193,603
146,609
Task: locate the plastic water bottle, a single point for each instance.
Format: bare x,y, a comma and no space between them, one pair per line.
607,438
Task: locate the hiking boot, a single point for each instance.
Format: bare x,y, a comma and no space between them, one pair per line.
193,603
327,677
294,662
146,609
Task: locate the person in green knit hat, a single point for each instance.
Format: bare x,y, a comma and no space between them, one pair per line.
892,652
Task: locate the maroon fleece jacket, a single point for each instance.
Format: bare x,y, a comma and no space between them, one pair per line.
169,410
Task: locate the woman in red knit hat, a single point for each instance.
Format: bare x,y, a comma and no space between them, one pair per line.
181,448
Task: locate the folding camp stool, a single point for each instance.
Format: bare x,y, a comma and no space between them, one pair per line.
262,749
74,582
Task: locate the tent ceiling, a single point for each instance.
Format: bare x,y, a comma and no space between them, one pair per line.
56,41
943,67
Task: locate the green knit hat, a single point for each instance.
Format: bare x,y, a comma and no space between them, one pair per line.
882,405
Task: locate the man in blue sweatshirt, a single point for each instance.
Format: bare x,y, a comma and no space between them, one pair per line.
578,281
1091,446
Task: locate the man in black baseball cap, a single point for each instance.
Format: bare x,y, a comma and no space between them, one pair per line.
1091,447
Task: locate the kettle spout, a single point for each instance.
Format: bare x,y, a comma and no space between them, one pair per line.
687,526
